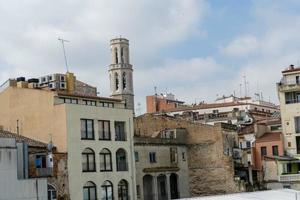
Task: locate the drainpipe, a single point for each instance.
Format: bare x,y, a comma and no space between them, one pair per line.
37,189
132,161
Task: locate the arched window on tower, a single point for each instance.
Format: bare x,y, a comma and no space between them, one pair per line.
127,55
124,80
117,81
122,55
116,55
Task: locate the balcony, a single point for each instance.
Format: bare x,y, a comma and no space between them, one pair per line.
287,86
289,177
44,172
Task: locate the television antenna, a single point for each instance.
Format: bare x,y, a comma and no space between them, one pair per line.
63,46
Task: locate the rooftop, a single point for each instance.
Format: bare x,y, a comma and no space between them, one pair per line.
20,138
270,136
282,194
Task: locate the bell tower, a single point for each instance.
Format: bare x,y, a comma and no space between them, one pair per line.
120,72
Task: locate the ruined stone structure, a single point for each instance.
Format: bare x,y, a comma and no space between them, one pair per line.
209,154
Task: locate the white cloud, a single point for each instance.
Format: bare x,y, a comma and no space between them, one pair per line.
241,46
29,32
268,48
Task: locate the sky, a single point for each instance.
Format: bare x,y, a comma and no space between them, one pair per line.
196,49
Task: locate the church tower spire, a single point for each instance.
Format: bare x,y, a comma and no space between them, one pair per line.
120,72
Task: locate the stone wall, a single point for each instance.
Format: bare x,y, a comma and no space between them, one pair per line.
59,178
210,170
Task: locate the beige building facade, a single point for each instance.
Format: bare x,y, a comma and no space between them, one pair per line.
162,166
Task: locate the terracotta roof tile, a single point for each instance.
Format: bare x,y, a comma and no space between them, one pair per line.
270,136
20,138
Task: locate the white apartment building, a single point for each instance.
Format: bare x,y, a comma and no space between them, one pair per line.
289,96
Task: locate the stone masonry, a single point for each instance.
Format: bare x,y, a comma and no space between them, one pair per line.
211,169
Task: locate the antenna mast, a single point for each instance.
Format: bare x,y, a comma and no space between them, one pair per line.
245,84
63,46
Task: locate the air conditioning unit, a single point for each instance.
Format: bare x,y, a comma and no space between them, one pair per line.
52,85
63,85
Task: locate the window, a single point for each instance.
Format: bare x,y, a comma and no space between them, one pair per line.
52,194
152,157
292,97
183,156
89,102
138,191
107,191
121,160
104,130
275,150
40,161
74,101
87,129
248,144
105,160
173,155
297,124
71,101
88,160
288,167
275,127
89,191
215,111
122,55
120,131
297,79
116,55
117,81
124,80
263,151
123,190
136,156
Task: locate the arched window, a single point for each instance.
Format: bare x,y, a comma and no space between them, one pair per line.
89,191
124,80
107,191
117,81
121,160
123,190
116,55
52,193
122,55
88,160
105,160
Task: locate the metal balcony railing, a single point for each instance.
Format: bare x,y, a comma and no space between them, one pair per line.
289,177
44,172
